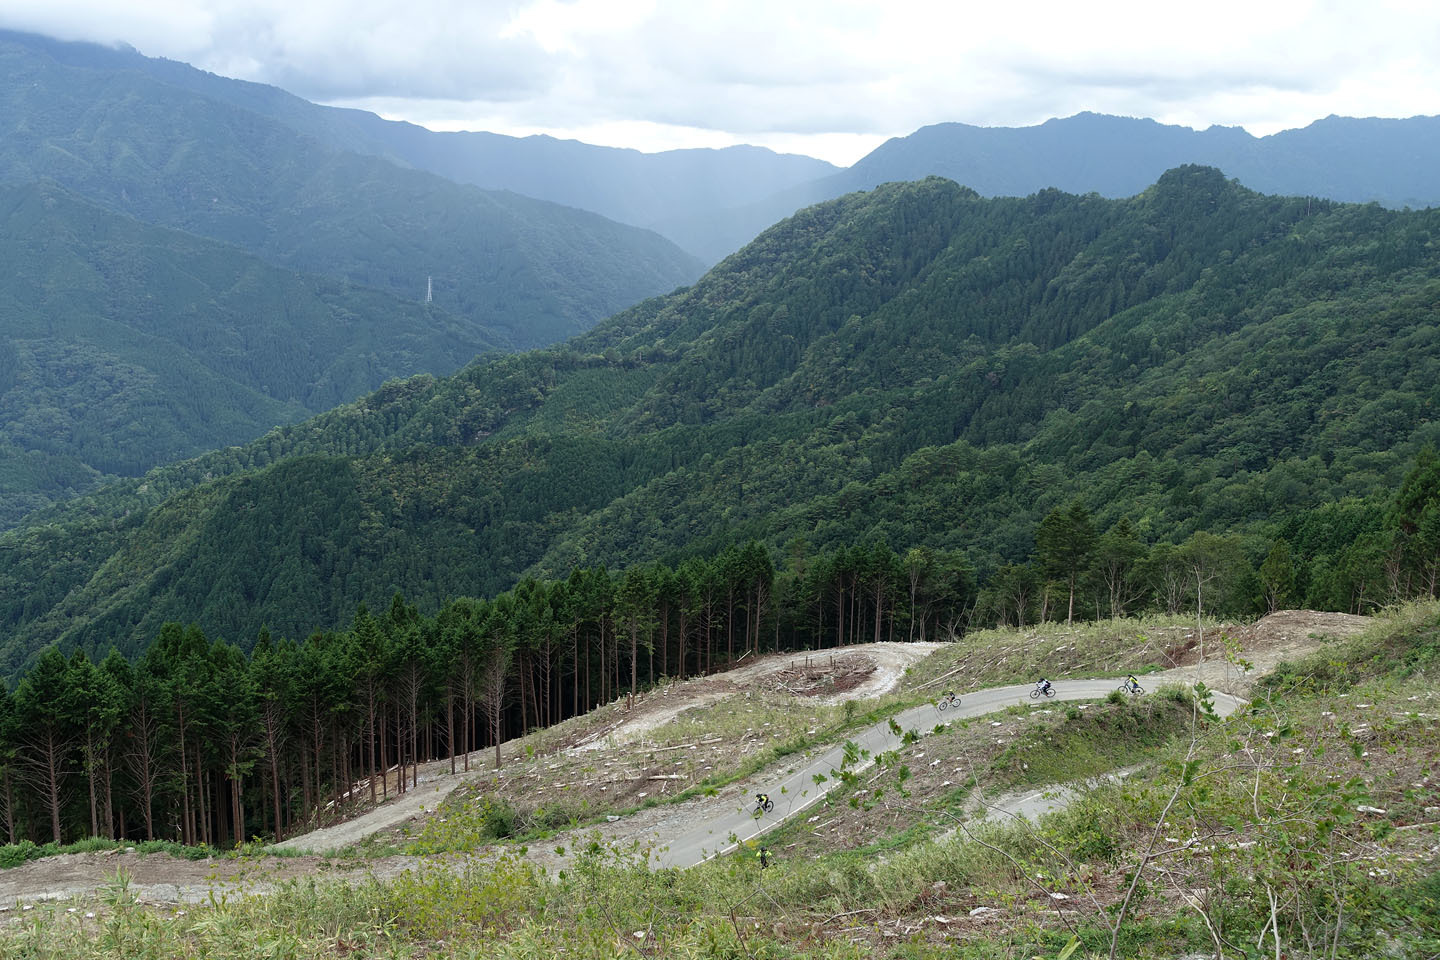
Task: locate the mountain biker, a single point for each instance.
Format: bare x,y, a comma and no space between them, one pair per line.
1132,683
762,800
1043,686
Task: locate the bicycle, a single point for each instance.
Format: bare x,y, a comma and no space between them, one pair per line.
946,702
763,805
1049,692
1134,689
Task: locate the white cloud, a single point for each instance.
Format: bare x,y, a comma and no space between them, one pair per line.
820,76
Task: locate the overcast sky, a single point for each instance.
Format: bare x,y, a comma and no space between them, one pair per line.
831,78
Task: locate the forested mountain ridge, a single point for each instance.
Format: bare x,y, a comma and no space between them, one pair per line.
624,185
126,346
917,365
172,157
1350,159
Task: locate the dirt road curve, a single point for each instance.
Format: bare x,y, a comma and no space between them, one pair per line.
716,828
432,790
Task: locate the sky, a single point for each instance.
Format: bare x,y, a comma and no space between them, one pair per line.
828,78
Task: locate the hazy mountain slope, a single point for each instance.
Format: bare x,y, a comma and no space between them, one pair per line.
624,185
169,156
648,190
1393,162
126,346
1340,158
917,364
1372,159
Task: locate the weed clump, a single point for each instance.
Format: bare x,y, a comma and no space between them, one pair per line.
15,854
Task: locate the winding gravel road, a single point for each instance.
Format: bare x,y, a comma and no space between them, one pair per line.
724,830
712,827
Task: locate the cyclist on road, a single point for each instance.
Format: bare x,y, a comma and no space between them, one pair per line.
1132,683
762,802
1043,686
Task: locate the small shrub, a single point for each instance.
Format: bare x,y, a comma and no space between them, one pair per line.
12,855
1175,693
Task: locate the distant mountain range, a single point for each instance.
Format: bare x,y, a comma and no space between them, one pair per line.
916,365
1392,162
712,202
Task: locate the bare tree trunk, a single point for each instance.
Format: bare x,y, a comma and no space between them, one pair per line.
384,753
273,746
546,708
110,793
307,796
493,686
450,725
634,657
761,596
879,601
90,782
524,703
680,653
575,687
200,799
9,806
52,750
730,625
187,826
369,744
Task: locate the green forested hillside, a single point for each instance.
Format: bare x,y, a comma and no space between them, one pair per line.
126,346
916,365
170,156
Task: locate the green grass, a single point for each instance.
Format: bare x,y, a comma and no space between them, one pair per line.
1090,743
1404,643
13,855
992,657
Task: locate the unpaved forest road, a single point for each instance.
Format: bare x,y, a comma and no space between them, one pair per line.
695,828
426,797
716,825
